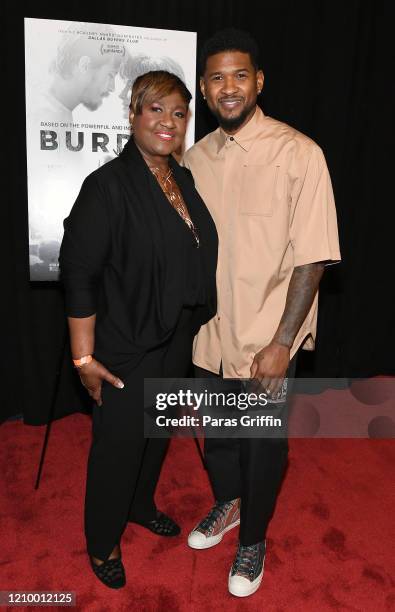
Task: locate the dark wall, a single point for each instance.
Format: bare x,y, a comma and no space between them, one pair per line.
328,72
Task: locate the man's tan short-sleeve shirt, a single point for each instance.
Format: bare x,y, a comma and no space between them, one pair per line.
269,192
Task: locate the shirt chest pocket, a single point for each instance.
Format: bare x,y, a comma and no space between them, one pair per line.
260,184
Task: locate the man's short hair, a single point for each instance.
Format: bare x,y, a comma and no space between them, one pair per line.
156,84
229,39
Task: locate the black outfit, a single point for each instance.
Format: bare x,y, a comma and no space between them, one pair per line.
130,258
251,469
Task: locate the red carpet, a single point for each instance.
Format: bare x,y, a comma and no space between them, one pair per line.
330,547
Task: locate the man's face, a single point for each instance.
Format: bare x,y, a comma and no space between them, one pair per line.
230,85
100,82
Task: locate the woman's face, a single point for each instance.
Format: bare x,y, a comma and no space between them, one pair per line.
160,129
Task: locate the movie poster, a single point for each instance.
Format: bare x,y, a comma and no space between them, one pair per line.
78,83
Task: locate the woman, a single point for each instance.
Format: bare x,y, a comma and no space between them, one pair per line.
138,262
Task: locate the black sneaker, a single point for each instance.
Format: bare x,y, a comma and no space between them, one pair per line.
246,573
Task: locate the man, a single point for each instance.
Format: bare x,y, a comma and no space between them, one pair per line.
268,189
83,72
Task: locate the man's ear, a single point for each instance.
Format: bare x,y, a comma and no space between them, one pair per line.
202,87
131,117
84,64
259,81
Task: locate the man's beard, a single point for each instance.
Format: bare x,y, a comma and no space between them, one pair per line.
233,123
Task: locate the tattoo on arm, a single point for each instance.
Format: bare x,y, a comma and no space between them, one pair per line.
301,292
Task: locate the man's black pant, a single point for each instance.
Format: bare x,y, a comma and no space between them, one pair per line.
251,469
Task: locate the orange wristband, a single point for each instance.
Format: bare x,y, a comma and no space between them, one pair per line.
78,363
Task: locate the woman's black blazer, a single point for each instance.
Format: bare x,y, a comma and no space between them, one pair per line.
129,257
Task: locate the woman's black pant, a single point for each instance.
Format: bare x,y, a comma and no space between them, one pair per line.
123,466
251,469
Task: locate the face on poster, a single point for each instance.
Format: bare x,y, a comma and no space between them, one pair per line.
79,78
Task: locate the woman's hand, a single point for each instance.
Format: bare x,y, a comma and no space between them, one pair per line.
92,375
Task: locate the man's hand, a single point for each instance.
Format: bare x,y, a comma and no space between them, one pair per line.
92,375
270,366
271,363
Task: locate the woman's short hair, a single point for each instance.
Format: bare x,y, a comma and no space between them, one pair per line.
156,84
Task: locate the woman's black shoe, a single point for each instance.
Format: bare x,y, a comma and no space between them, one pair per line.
111,573
163,525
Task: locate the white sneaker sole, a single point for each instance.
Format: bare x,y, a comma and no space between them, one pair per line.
214,540
248,589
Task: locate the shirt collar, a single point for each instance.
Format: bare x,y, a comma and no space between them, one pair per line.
244,137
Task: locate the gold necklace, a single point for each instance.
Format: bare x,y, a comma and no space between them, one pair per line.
175,198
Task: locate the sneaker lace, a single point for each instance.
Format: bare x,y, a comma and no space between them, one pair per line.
246,558
217,513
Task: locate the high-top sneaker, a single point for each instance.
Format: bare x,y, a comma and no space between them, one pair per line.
246,573
210,531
